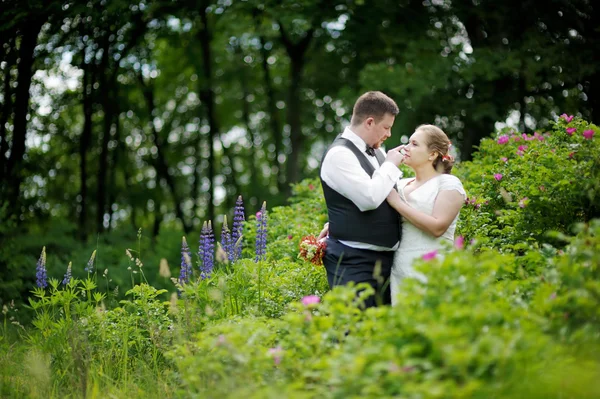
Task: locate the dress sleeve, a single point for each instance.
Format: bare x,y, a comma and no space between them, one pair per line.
451,182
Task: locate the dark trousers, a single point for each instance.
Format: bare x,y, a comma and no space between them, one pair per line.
345,264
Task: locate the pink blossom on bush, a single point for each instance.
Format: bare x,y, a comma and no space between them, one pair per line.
571,130
498,176
504,159
567,118
523,202
310,300
523,148
429,255
503,139
459,242
276,354
588,134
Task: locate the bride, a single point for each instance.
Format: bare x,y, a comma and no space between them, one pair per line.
429,202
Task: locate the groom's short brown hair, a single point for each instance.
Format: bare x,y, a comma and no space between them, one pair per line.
374,104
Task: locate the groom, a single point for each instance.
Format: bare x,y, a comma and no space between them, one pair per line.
357,177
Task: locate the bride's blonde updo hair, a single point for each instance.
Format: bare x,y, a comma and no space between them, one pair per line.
438,142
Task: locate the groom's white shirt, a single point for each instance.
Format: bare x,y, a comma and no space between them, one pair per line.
343,173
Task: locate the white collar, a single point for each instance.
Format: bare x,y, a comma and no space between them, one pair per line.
355,139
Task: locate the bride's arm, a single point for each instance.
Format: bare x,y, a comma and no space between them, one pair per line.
446,207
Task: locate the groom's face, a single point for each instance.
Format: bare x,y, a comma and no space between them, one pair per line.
381,131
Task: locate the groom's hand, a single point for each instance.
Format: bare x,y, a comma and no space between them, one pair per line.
395,156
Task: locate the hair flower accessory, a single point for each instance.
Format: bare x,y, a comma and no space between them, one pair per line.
447,158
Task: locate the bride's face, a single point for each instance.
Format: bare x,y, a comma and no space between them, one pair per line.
416,150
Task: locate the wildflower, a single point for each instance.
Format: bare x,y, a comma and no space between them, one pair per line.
40,270
498,176
220,254
236,229
567,118
186,263
504,159
311,187
588,134
310,300
90,265
206,250
261,233
523,202
163,269
290,236
459,242
503,139
571,130
67,279
538,136
429,255
226,240
276,353
523,148
520,153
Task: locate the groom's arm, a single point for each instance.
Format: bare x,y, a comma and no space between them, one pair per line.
343,173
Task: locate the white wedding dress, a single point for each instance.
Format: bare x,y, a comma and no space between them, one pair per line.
415,242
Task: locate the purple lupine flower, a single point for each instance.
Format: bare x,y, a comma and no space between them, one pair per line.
90,265
261,233
186,263
67,278
226,240
236,229
41,278
206,250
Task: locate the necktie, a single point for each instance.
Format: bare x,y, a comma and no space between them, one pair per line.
370,151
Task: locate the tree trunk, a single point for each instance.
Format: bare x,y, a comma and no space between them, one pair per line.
161,166
14,167
107,107
297,53
207,98
7,106
84,143
274,120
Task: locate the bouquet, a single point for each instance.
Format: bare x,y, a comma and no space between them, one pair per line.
312,250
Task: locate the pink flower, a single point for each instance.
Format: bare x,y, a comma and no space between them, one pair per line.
522,148
588,134
502,139
276,354
517,138
571,130
311,187
567,118
498,176
504,159
429,255
539,136
523,202
459,242
310,300
520,153
290,237
258,215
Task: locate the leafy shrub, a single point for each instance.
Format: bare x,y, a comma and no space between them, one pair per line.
521,186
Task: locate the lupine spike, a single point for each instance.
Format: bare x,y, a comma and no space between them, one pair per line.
206,250
90,265
186,263
226,240
261,233
41,278
67,279
236,229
